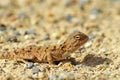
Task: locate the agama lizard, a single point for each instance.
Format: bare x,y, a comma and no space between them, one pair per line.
51,53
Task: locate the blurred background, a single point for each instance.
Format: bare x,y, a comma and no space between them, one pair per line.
48,19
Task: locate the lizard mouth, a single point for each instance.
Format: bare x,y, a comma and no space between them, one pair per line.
85,39
81,42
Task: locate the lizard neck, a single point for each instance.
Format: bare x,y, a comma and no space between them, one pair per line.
68,47
71,46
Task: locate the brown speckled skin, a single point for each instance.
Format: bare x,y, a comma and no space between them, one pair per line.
51,53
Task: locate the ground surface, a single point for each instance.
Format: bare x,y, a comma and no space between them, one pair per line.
26,22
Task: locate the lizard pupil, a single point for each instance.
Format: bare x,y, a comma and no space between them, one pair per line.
77,37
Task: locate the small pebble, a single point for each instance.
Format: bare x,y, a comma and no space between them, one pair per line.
22,15
30,65
55,35
101,67
67,3
91,36
16,33
25,76
10,27
26,36
12,39
35,75
30,31
82,3
92,17
2,27
35,70
94,13
68,17
46,37
88,44
42,75
66,76
103,50
67,65
53,77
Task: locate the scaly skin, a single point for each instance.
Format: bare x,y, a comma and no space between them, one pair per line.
50,53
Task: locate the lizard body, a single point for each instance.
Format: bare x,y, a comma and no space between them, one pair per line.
49,53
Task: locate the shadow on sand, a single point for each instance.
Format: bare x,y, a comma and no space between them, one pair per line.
92,60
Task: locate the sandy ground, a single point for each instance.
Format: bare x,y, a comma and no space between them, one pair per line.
26,22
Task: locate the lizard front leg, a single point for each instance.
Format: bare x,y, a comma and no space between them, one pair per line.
50,59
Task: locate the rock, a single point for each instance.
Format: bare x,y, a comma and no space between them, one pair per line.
88,44
67,3
35,70
22,15
42,75
46,37
16,33
82,3
10,27
68,17
66,76
94,13
30,31
30,65
2,27
55,35
53,77
12,39
91,36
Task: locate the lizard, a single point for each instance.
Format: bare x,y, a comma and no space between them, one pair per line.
51,53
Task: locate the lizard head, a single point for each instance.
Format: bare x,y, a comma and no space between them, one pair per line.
75,40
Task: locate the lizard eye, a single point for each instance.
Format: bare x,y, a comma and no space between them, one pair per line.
77,37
